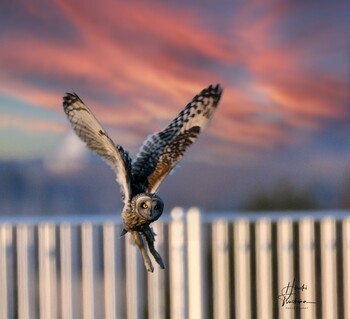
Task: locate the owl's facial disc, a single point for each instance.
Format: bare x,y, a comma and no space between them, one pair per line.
149,206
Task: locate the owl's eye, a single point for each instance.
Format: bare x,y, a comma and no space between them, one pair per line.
144,206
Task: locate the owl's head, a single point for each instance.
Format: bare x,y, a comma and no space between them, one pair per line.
148,206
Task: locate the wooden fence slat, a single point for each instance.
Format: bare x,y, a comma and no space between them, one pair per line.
88,271
47,271
285,265
221,284
26,273
328,268
263,269
156,280
112,272
177,261
346,266
109,250
242,278
66,264
307,265
7,288
195,265
134,280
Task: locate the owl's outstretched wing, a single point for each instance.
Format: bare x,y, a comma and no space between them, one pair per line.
91,132
163,150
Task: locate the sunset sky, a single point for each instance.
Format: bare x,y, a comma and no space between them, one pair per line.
284,66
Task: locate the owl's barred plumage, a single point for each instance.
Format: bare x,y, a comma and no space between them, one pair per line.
158,155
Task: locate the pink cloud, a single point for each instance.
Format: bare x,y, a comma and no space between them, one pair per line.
30,125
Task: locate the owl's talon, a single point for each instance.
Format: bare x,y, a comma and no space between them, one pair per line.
149,267
160,263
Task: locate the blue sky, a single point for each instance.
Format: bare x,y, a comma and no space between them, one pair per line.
284,67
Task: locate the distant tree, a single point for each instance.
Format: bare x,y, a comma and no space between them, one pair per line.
284,196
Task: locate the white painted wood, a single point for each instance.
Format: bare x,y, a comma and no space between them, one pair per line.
242,277
285,265
346,266
88,271
106,288
134,280
26,273
66,271
195,264
112,272
307,266
7,307
263,269
156,280
177,261
221,284
328,268
47,271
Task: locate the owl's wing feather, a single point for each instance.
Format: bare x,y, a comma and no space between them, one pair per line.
91,132
161,151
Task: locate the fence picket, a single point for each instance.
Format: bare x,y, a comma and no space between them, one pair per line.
307,265
242,280
328,268
47,271
88,270
134,284
66,271
221,272
26,273
6,272
195,265
285,248
346,266
177,253
156,280
263,268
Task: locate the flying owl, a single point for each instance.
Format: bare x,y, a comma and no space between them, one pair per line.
158,155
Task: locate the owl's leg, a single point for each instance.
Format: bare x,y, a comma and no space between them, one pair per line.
138,240
149,235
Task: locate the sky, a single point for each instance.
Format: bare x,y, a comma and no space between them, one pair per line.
284,67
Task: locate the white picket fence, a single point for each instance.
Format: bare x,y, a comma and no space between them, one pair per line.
217,266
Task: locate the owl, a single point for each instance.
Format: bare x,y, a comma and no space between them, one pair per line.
140,178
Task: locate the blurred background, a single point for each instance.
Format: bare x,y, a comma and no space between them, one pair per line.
279,140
